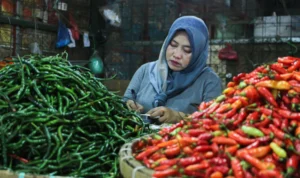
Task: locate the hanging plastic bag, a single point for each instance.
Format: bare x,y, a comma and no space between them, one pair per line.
95,63
111,14
228,53
63,37
35,48
74,27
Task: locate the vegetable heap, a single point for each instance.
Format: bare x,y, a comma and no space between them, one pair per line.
58,118
252,130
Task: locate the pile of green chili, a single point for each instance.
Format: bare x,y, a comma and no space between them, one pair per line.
57,118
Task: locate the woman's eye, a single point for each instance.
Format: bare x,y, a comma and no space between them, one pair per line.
187,50
173,44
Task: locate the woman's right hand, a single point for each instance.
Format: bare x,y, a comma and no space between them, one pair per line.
131,105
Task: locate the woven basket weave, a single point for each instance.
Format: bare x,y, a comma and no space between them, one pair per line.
129,166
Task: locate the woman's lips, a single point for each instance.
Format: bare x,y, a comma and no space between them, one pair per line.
174,63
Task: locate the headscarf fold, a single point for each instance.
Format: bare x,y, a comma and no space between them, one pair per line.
168,84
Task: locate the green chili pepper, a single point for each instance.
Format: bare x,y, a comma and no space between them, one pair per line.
278,151
252,131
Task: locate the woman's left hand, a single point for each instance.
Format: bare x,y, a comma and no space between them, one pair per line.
165,115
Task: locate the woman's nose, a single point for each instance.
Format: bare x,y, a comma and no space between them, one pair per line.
177,53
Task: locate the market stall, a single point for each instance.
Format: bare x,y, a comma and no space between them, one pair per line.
57,119
252,130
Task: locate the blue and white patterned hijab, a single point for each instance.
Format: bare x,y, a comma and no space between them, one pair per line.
168,84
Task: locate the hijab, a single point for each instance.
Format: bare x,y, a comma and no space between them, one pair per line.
170,83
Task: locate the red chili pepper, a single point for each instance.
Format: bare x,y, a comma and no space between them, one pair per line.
161,167
187,150
168,130
194,173
263,91
240,139
253,116
254,161
146,162
292,164
218,161
222,169
242,115
186,141
276,122
279,69
195,132
251,93
202,148
19,158
297,145
209,155
278,133
205,136
285,99
224,140
269,174
231,84
284,124
296,76
196,167
266,131
237,78
229,91
297,131
223,108
237,168
247,174
207,121
258,152
230,113
215,148
165,173
147,152
202,142
214,127
253,145
167,143
294,66
190,160
232,149
286,76
264,139
279,142
169,162
294,102
269,112
157,155
286,60
254,73
263,123
202,106
172,151
208,172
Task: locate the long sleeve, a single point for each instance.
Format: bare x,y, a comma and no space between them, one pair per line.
212,89
135,83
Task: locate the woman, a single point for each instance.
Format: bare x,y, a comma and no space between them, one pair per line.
179,80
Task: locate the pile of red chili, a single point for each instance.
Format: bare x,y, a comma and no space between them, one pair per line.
252,130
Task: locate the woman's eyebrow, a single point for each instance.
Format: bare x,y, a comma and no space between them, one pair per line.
187,46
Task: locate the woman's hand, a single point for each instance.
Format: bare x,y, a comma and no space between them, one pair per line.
165,115
134,106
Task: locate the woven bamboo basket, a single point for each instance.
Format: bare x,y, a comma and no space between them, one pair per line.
9,174
129,166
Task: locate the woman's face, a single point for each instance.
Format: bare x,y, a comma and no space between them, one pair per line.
179,52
